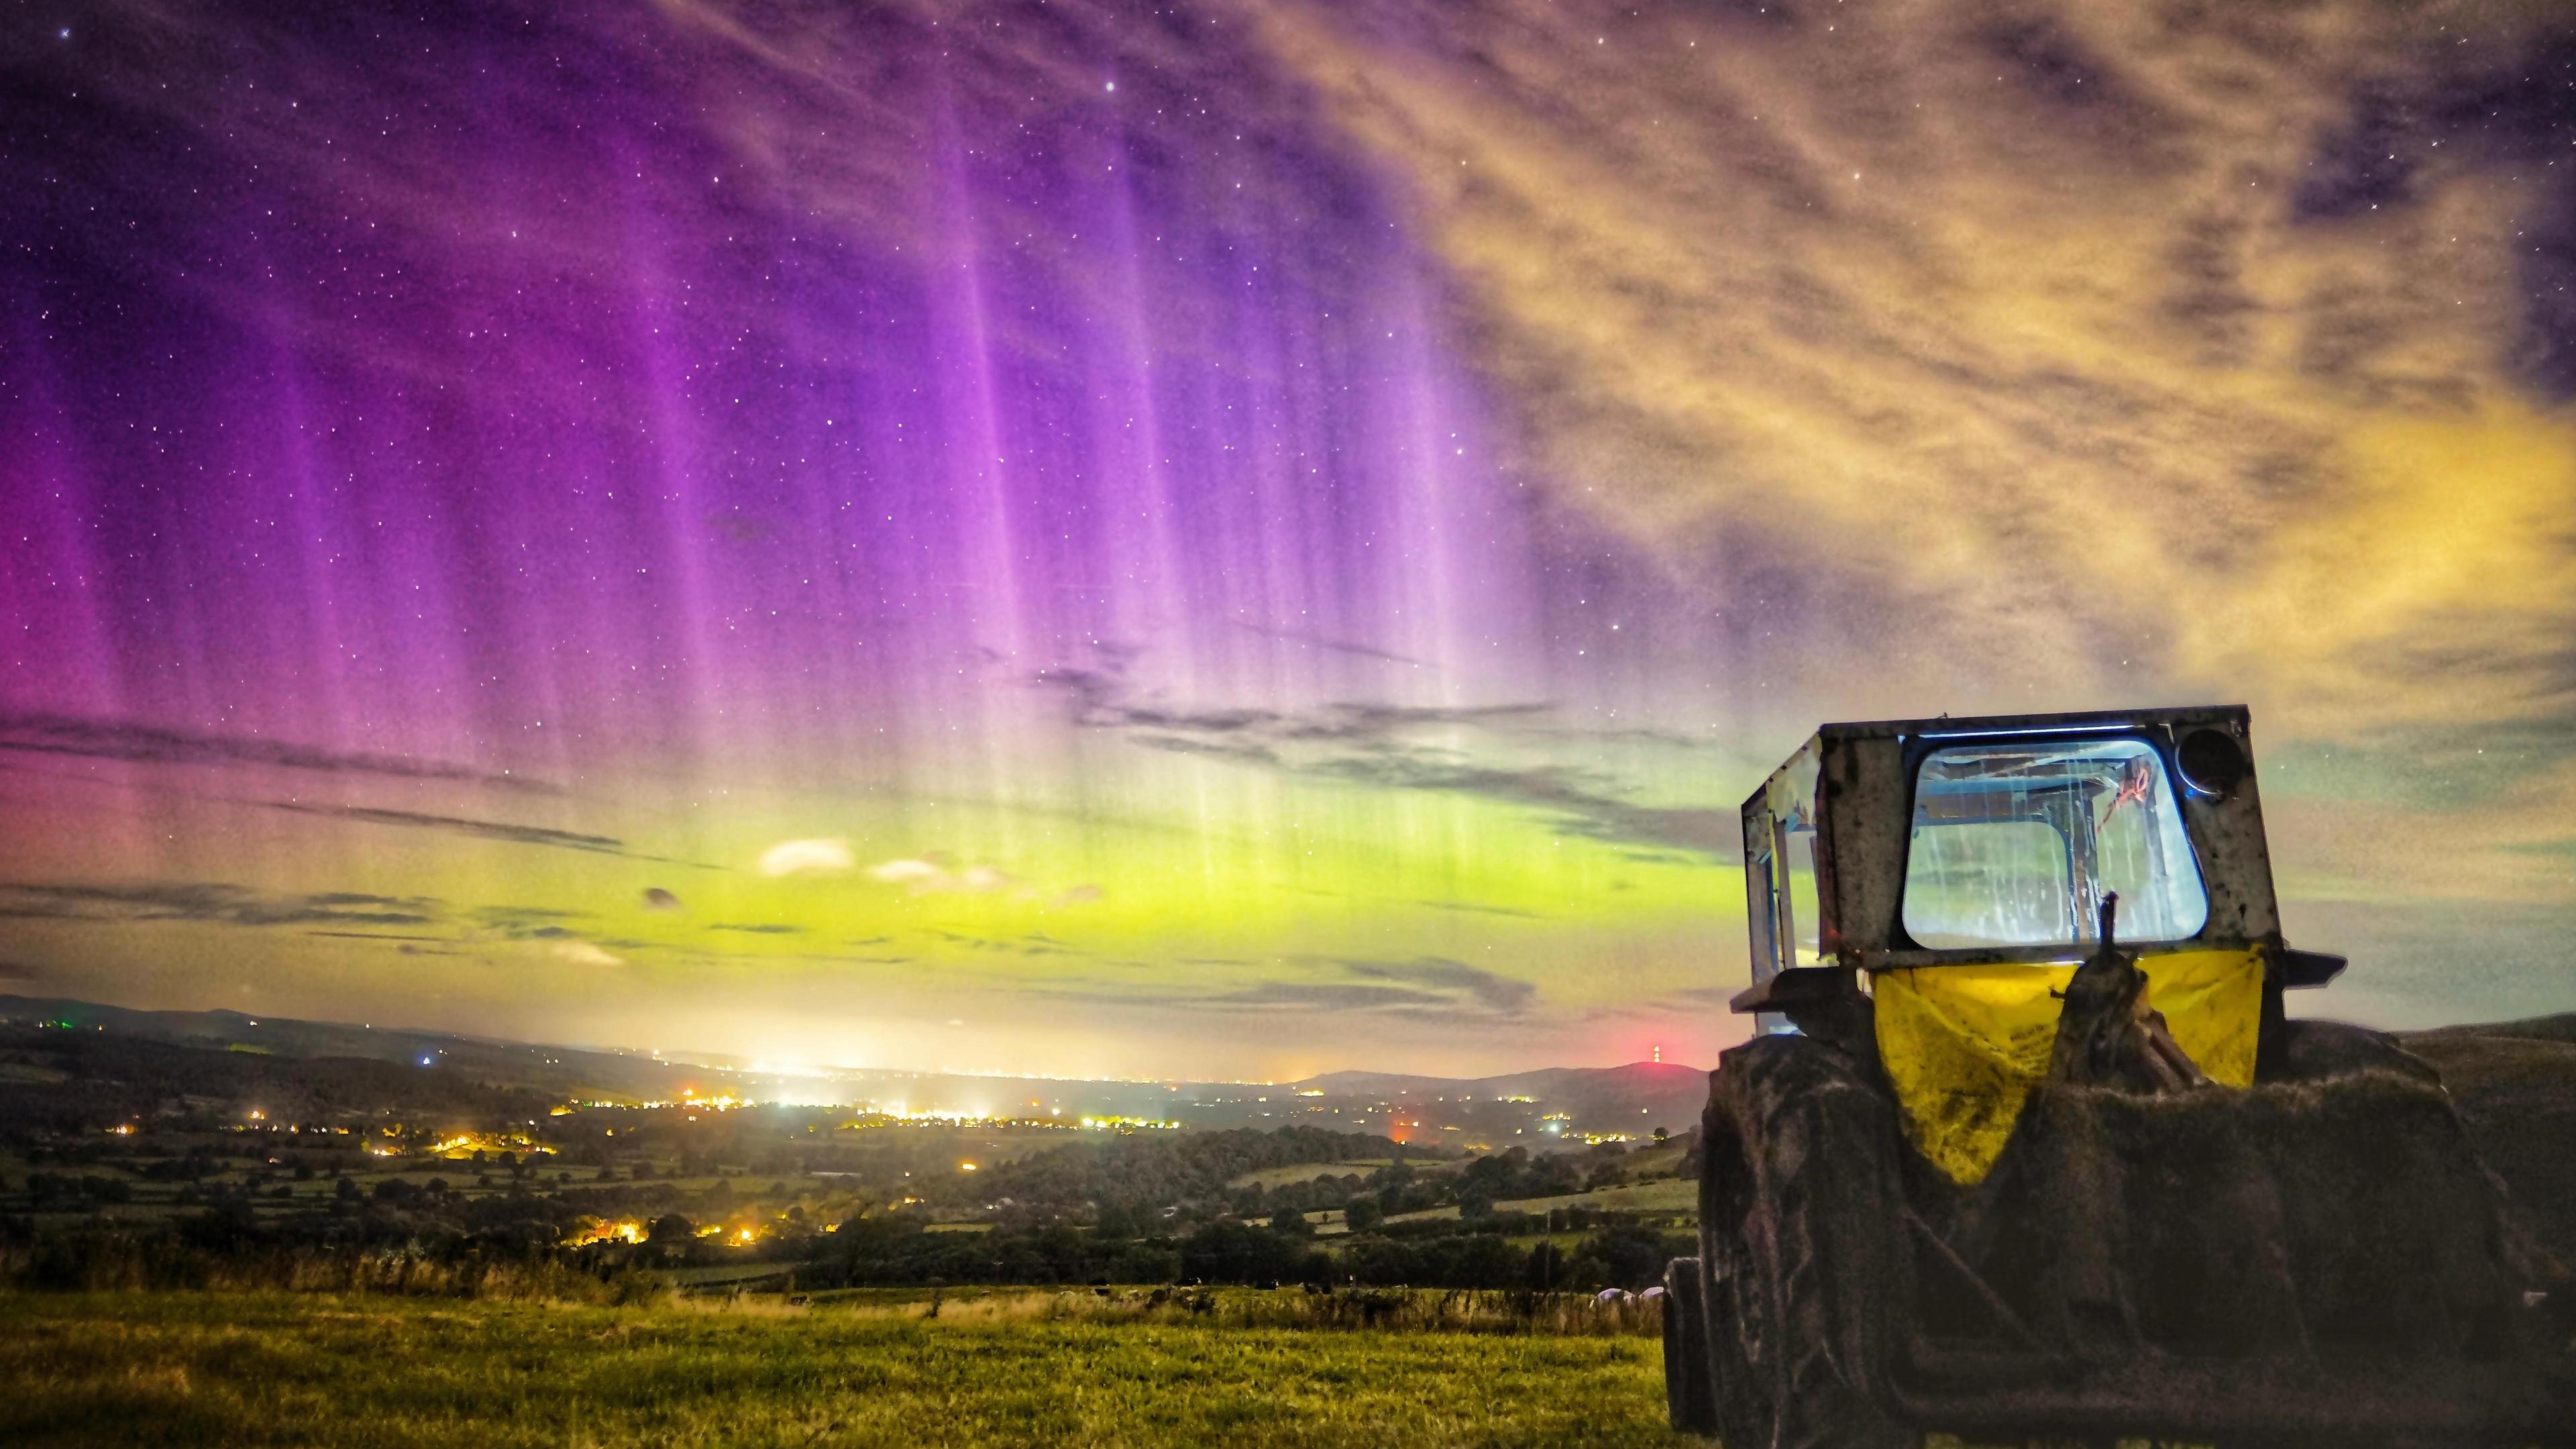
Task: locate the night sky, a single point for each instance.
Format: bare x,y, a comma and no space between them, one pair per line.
1238,539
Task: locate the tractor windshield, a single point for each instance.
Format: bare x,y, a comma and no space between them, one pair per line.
2015,844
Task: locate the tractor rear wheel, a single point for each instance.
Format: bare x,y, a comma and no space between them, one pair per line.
1795,1217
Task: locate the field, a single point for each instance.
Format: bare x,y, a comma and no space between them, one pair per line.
1661,1195
258,1369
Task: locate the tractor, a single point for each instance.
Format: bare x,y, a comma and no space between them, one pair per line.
2025,1142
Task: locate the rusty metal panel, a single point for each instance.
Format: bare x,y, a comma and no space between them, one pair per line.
2235,861
1865,820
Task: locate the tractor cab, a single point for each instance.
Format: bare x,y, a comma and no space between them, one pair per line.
2026,1143
1955,871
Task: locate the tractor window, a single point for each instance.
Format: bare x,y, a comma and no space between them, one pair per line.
1995,883
2016,844
1800,898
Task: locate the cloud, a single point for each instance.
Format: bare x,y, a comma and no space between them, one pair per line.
1474,909
130,740
938,874
760,929
1500,994
523,923
1397,747
1332,645
1329,996
1432,988
1033,944
2089,351
377,936
583,953
213,902
808,857
658,899
19,971
934,875
480,830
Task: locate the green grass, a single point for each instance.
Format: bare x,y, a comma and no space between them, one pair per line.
223,1369
1665,1194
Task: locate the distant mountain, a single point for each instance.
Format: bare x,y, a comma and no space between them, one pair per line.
557,1070
2561,1027
1536,1108
1567,1103
1631,1077
1658,1087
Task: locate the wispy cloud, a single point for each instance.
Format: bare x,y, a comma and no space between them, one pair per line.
481,830
211,902
130,740
1033,944
1389,747
1329,644
808,857
935,875
1503,995
1431,988
1772,308
1474,908
522,923
939,874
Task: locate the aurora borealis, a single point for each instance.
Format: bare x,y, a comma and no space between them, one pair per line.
1242,538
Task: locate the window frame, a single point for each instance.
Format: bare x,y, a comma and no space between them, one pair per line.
1920,749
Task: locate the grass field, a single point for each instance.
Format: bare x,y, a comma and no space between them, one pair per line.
1662,1195
1667,1194
244,1369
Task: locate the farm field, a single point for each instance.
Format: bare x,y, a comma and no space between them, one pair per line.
1666,1194
258,1369
1661,1195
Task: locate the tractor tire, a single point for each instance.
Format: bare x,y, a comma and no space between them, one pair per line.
1689,1391
1798,1217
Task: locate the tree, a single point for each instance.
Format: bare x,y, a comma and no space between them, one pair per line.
1546,1267
1628,1256
1362,1214
1289,1224
1233,1253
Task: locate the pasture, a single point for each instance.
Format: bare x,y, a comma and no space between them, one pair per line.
1020,1368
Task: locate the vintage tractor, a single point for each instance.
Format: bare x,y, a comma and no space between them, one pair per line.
2025,1143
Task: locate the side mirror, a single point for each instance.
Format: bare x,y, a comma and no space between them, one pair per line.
2212,762
2310,968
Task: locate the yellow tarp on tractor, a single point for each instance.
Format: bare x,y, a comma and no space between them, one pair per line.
1965,1045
